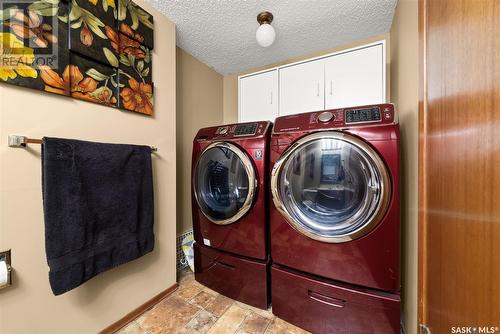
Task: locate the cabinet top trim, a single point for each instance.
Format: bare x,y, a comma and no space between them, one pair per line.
356,48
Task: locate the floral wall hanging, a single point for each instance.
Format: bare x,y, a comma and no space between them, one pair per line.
135,73
94,50
32,38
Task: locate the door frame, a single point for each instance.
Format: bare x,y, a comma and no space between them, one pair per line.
422,106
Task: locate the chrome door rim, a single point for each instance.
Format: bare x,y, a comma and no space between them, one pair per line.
385,186
252,183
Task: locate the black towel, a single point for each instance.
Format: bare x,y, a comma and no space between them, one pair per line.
98,208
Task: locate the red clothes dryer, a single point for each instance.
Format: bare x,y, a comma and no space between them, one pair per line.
335,224
230,210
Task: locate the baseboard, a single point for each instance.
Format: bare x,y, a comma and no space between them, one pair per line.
138,311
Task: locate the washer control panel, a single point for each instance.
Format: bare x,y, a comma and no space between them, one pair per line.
343,118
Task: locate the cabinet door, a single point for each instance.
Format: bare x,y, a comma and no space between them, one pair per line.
302,88
258,97
355,78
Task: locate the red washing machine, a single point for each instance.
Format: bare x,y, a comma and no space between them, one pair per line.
335,222
230,210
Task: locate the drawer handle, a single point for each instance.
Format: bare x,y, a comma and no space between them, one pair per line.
327,300
225,265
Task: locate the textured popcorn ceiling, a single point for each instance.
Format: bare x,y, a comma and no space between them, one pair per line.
221,33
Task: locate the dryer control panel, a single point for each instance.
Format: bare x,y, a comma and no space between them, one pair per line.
236,131
363,116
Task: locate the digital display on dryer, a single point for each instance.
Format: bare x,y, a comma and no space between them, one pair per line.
363,115
246,130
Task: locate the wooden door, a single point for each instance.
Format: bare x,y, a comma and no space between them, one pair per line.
258,97
302,87
355,78
460,166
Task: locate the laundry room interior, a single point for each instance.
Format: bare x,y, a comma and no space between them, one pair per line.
315,166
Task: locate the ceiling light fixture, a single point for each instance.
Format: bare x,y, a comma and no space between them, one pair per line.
265,35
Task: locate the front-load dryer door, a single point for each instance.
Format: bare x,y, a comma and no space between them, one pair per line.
331,186
224,183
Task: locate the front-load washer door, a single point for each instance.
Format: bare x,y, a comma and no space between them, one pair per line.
224,183
331,186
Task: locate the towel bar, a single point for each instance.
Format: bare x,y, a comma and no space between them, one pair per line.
23,141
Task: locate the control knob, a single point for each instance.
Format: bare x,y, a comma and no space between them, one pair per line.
326,117
223,130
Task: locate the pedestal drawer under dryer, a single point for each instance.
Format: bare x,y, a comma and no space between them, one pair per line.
233,276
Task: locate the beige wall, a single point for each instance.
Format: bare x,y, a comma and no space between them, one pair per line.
230,99
29,306
199,104
230,102
404,91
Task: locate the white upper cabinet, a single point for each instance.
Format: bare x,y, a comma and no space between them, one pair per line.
302,87
347,78
258,97
355,78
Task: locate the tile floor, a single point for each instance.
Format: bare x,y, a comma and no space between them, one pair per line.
196,309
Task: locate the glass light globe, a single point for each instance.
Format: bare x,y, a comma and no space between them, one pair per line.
265,35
